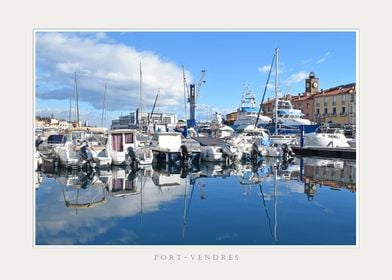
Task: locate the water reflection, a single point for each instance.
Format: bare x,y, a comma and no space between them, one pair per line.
206,204
336,174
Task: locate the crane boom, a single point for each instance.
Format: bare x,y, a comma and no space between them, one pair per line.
201,81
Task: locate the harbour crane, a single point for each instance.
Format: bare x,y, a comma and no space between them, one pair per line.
193,95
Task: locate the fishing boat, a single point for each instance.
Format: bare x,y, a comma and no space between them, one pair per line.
248,112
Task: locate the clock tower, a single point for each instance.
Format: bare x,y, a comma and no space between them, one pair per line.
312,83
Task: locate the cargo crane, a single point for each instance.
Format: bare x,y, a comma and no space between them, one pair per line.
193,95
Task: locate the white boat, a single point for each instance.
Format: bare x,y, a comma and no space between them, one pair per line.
248,112
255,141
216,150
51,143
84,145
166,147
288,116
280,139
219,129
326,137
191,151
125,148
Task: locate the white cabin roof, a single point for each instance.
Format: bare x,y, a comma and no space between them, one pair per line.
122,131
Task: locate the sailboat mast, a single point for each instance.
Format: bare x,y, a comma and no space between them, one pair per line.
185,96
141,98
265,90
276,91
76,100
103,119
70,109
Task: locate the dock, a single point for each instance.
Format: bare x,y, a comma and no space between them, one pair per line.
330,152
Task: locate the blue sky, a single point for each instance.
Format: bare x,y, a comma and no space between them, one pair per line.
231,60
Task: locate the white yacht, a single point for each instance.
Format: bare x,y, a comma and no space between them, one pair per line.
326,137
288,116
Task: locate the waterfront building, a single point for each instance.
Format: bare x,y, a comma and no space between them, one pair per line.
336,105
52,123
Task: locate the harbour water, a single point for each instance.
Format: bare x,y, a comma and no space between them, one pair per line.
311,201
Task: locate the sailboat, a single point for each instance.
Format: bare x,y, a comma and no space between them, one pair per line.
277,138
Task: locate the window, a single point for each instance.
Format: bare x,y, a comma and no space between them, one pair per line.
325,101
307,105
325,111
334,110
318,111
334,100
343,99
117,143
128,138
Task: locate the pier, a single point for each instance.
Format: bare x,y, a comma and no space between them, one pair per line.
345,153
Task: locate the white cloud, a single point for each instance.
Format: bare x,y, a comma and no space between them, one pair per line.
324,58
97,60
296,77
264,69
